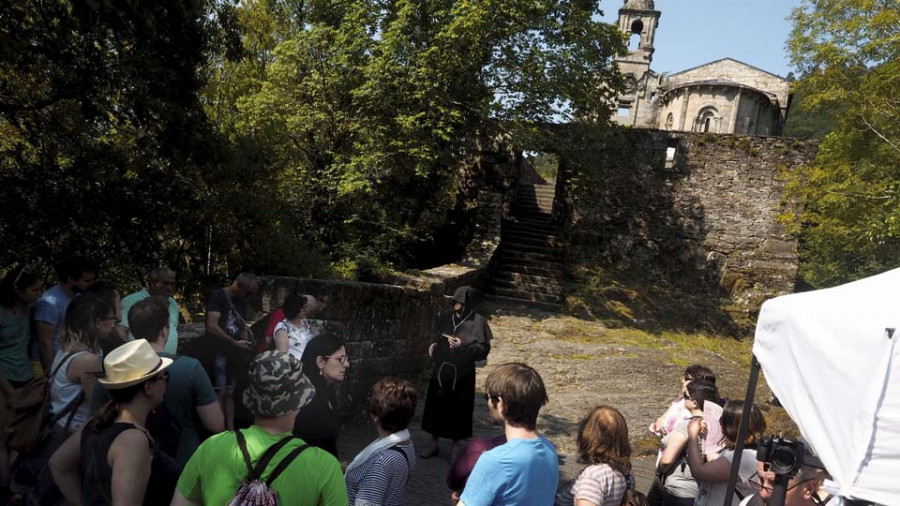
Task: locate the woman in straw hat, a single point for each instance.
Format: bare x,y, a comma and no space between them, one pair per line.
113,459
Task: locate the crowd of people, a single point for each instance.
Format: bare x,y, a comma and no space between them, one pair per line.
97,407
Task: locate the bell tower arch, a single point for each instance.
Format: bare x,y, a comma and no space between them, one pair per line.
638,20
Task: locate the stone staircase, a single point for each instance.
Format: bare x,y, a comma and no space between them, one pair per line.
530,264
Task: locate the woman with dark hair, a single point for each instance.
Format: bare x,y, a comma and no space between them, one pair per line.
672,469
602,445
113,459
378,475
325,363
18,291
293,333
464,339
713,475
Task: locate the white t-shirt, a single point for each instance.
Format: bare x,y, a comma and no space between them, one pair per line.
713,494
298,337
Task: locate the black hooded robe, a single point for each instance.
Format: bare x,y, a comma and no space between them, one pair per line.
451,391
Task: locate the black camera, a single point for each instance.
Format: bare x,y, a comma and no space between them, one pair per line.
784,456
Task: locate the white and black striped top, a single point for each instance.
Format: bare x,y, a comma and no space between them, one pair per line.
382,480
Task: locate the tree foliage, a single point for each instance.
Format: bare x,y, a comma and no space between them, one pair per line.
368,109
846,205
284,136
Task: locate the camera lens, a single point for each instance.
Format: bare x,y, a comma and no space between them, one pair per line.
784,461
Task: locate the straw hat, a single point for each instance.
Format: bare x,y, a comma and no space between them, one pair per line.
132,363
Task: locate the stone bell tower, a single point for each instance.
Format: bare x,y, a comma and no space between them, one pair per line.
638,20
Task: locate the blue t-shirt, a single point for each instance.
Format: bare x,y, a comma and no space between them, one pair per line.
522,472
51,309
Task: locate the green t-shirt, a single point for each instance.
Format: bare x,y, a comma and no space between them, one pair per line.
14,333
215,472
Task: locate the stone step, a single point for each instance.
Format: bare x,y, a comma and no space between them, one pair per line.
518,230
513,300
553,252
553,273
532,218
513,263
530,226
527,287
523,238
507,275
523,295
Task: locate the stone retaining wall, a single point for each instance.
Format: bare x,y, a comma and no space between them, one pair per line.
705,219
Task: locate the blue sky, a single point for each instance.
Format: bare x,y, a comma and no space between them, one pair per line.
694,32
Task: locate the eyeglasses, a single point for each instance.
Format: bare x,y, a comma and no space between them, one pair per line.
759,484
25,270
164,376
344,359
489,397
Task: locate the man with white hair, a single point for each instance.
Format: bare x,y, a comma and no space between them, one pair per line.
161,284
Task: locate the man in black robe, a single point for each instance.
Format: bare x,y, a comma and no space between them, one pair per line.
464,339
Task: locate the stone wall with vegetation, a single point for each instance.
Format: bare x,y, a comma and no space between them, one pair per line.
697,212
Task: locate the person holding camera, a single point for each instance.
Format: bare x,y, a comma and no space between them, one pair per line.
799,468
713,475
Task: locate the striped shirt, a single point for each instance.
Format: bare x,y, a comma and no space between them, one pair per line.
601,485
382,480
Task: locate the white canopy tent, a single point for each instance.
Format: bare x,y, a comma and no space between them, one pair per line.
830,356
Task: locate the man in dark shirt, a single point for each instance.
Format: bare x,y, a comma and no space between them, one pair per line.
229,335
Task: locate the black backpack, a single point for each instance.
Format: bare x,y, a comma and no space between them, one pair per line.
253,491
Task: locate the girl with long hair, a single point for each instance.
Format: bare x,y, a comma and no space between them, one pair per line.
713,475
602,445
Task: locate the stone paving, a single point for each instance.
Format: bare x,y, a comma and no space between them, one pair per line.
637,386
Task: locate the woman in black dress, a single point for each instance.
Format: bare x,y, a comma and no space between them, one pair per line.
464,339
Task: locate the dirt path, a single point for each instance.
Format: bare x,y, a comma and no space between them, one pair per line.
583,364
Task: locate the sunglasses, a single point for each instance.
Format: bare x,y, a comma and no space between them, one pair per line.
25,270
164,376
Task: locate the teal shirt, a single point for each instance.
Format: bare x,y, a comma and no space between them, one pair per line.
188,388
14,333
130,300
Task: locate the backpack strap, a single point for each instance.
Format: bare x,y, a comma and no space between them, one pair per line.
254,472
62,363
285,462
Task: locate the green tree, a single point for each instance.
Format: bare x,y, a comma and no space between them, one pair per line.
845,205
367,109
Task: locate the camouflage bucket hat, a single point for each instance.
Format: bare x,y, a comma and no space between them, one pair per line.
277,385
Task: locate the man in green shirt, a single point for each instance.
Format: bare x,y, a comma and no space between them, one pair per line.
161,283
277,391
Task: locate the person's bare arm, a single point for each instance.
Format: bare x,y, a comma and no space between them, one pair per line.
584,502
213,329
64,468
675,444
179,500
211,417
715,471
282,343
84,369
130,459
45,333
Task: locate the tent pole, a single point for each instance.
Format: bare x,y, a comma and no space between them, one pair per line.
744,429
